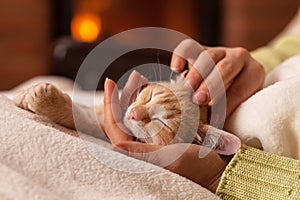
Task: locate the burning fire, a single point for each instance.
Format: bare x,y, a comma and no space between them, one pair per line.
86,27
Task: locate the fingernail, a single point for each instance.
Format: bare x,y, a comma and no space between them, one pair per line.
134,72
200,97
106,79
175,65
106,82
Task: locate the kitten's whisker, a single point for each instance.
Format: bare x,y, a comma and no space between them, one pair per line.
158,61
154,73
141,86
160,74
147,140
170,78
174,75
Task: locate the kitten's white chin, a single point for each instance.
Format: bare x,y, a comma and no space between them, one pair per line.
136,130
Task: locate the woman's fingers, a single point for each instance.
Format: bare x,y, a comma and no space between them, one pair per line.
177,63
142,151
134,84
113,125
183,159
203,65
214,85
247,83
227,68
162,156
188,50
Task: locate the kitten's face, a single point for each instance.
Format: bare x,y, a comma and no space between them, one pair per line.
157,114
164,113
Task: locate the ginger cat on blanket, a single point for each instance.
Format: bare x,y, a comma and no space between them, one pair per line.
162,113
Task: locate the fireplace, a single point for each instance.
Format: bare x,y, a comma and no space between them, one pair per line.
81,25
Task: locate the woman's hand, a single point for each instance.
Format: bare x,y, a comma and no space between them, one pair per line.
114,108
240,73
181,158
194,162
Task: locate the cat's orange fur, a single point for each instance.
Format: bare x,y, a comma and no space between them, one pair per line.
47,100
162,113
158,106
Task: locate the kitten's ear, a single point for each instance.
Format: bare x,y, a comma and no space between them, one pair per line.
221,141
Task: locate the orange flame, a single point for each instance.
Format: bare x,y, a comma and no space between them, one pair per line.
86,27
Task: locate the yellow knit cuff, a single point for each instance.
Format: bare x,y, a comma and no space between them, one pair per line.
273,55
268,57
254,174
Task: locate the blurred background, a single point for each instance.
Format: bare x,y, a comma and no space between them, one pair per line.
41,37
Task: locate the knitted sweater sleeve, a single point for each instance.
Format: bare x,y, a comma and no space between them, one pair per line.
272,55
255,174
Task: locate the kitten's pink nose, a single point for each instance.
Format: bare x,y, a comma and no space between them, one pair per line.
133,115
139,113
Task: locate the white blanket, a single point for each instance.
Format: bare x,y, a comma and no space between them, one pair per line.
42,160
270,119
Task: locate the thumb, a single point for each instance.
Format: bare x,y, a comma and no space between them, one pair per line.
162,156
137,147
140,151
113,126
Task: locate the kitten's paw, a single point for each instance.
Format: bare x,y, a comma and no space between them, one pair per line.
44,99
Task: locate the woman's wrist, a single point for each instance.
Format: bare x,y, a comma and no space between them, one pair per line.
215,183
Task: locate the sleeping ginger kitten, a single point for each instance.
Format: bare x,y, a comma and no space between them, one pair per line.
162,113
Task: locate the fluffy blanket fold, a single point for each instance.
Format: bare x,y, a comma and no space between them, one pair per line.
270,119
42,160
